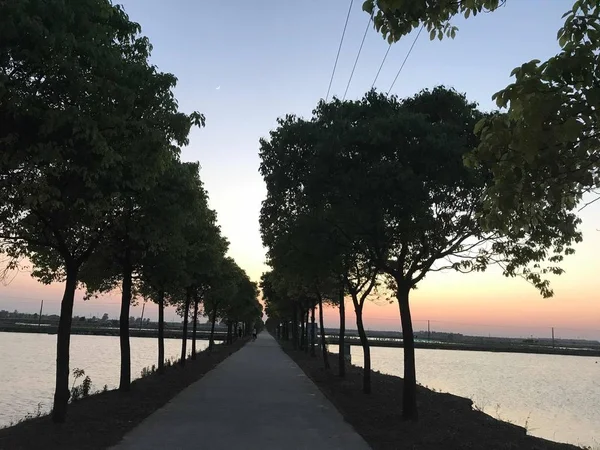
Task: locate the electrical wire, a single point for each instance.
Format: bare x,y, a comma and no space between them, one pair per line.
381,66
358,55
406,58
339,49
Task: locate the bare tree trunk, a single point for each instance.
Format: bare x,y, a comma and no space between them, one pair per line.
194,327
364,341
161,331
63,342
302,340
323,342
125,378
295,328
409,395
306,339
342,337
211,342
313,332
184,335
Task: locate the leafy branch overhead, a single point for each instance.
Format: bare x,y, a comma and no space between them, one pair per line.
397,18
543,144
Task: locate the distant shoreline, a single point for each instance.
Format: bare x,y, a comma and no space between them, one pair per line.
111,331
496,348
220,334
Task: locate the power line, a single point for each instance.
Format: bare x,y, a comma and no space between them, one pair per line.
405,59
339,49
358,55
381,66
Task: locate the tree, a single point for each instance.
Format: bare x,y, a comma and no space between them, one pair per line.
206,249
392,176
360,278
162,267
294,228
279,304
544,146
243,306
223,286
308,263
70,100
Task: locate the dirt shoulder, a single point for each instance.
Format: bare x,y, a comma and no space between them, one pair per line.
446,421
101,420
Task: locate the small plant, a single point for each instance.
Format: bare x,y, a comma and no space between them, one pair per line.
147,371
84,389
171,362
35,415
480,407
86,386
526,425
105,388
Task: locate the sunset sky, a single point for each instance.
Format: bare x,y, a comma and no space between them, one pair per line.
243,64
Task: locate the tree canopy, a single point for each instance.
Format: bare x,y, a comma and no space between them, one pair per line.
92,189
378,185
543,144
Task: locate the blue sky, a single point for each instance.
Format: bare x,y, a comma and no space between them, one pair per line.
245,63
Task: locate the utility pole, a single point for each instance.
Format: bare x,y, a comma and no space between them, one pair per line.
552,337
428,331
142,318
40,317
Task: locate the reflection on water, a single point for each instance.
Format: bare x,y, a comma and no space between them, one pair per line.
28,361
556,397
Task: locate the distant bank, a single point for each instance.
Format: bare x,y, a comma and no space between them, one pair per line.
507,347
501,345
170,333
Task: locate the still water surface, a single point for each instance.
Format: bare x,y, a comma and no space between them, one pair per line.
28,361
557,397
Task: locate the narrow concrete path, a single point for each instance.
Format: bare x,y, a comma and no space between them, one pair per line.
258,398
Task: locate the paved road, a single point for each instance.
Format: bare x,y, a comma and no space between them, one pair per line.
258,398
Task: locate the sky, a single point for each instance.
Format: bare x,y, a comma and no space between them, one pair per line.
244,64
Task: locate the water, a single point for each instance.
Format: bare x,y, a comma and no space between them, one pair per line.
28,362
556,397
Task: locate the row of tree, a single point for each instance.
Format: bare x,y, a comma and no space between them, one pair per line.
383,191
92,189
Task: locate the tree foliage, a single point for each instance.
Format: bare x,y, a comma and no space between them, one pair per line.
396,18
91,186
378,185
543,146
